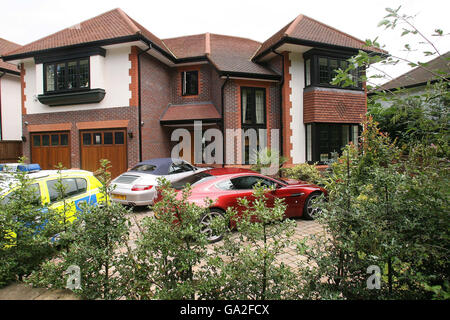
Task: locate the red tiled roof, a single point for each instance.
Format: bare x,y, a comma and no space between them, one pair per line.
227,53
421,75
6,46
190,112
234,54
188,46
307,29
109,25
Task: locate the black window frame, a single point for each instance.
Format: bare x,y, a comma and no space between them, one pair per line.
315,139
185,88
314,55
254,124
66,75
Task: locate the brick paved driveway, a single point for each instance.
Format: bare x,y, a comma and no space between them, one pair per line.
290,257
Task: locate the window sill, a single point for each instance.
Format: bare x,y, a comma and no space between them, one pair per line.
333,87
70,98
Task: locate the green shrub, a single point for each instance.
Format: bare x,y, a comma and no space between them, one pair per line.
245,266
166,263
387,211
26,228
93,241
304,172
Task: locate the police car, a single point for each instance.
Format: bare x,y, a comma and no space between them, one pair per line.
80,187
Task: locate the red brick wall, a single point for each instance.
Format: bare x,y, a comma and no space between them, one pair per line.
204,84
155,96
121,113
333,105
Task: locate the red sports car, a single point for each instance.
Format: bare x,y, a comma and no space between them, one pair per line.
224,186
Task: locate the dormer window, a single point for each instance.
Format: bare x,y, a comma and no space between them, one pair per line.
189,83
67,75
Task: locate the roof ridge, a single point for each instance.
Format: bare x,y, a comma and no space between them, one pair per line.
236,37
128,20
168,49
293,24
207,43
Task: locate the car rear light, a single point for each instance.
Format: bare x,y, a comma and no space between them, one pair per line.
139,187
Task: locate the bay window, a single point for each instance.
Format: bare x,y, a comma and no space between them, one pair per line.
325,141
68,75
321,67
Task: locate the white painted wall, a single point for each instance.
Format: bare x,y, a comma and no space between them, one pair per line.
110,73
297,84
11,107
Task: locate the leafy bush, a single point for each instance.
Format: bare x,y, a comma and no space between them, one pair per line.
93,241
166,263
245,266
26,228
387,211
303,172
413,117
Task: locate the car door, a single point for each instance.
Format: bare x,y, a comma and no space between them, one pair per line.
292,199
243,187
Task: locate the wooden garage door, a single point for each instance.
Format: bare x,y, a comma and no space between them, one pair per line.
50,148
104,144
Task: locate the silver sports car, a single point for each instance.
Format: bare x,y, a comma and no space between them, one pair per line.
136,187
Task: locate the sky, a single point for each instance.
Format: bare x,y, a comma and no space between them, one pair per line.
24,21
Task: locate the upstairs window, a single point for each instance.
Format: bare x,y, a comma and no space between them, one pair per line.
189,83
66,76
320,71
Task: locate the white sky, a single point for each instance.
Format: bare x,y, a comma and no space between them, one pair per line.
24,21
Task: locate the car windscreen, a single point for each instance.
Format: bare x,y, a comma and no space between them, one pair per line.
194,179
145,168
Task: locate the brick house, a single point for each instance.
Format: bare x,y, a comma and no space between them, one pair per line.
10,96
109,88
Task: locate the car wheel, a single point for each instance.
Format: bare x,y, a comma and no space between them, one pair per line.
310,212
205,223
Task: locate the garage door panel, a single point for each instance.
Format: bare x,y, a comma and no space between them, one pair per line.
49,149
104,144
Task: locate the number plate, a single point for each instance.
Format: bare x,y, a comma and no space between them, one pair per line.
119,197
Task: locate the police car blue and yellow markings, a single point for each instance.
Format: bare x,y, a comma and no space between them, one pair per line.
88,193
